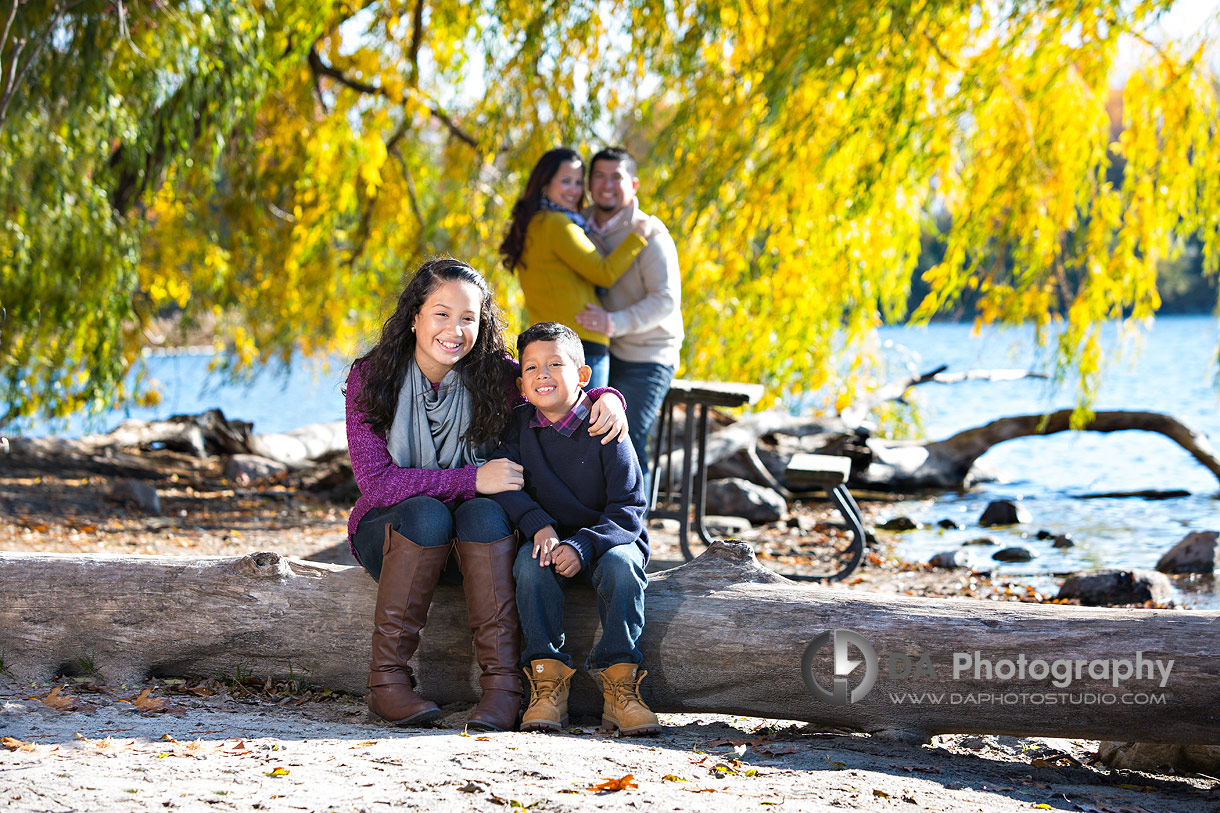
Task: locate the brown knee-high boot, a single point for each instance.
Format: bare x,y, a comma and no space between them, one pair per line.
491,600
409,573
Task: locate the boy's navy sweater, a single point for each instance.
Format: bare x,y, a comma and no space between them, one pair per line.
593,495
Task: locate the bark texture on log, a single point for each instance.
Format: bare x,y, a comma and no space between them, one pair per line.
723,635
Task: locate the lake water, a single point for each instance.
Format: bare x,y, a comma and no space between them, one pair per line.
1171,370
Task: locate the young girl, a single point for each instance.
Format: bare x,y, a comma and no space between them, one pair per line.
424,409
558,265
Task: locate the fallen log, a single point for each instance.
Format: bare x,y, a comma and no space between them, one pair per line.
208,433
723,635
947,463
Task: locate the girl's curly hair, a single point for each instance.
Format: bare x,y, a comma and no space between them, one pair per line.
528,204
483,370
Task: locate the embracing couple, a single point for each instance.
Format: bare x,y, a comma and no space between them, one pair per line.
458,450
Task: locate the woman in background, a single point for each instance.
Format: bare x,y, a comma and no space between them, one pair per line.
559,267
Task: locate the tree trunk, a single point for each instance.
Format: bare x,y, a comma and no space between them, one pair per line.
723,635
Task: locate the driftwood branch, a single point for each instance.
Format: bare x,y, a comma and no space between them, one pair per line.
201,435
947,462
723,635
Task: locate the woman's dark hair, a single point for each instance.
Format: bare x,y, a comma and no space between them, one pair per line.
483,370
528,204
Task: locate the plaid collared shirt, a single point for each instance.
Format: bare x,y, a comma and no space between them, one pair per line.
567,425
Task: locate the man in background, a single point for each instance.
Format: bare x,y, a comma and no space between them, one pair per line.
641,313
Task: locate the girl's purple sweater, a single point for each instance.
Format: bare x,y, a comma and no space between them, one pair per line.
383,483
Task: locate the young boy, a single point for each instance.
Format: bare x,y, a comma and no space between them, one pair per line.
583,508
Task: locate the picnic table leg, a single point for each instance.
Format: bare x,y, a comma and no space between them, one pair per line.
688,445
660,449
701,486
843,500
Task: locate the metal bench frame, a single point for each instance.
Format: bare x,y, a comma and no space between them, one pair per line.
698,397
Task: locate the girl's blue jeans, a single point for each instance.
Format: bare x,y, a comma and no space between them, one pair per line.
428,522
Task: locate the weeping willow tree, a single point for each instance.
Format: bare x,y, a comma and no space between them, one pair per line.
272,169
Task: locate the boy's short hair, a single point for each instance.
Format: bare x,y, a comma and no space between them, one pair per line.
616,154
564,336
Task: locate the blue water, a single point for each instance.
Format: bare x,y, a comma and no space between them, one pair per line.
271,400
1172,369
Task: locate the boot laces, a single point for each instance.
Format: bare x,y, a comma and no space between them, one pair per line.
627,691
541,688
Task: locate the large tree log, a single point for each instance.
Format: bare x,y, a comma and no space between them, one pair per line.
947,463
723,635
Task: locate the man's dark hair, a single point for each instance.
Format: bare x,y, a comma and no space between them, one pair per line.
615,154
564,336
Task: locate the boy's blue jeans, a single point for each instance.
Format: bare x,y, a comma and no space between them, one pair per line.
618,580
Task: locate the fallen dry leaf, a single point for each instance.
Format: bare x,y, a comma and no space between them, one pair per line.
152,705
62,702
278,771
17,745
622,783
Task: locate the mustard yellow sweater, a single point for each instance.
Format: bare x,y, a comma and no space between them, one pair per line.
560,267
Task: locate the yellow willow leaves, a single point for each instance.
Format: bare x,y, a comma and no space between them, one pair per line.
798,158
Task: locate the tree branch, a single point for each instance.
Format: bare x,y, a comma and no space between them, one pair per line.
318,66
17,73
417,38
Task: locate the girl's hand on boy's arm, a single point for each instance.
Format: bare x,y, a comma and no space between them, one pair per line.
608,417
567,561
499,475
545,541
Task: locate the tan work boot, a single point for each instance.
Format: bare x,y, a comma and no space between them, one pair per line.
622,707
548,709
